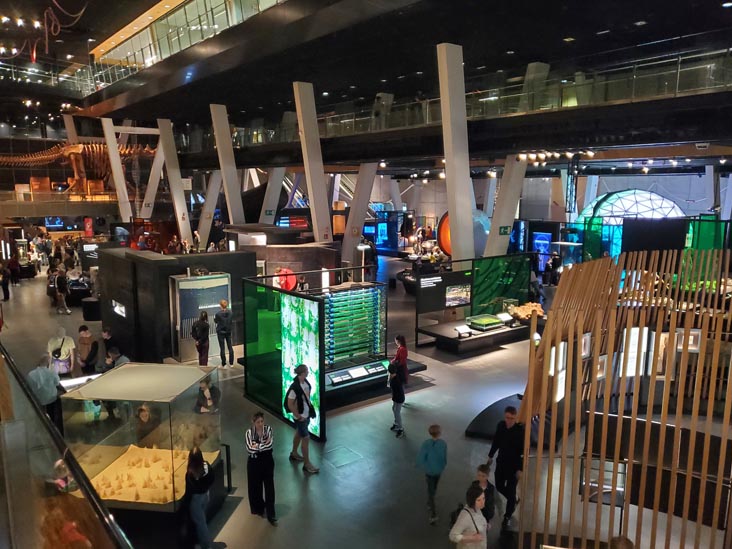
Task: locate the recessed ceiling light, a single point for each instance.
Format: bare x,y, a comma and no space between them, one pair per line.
20,22
640,23
510,52
382,164
149,17
401,77
606,31
325,94
167,5
568,39
442,175
69,56
4,18
37,24
644,169
480,68
134,28
722,160
383,80
102,49
419,73
724,5
351,87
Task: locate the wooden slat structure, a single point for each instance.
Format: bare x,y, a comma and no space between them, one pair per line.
630,390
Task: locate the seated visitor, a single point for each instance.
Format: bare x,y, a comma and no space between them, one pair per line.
146,429
208,398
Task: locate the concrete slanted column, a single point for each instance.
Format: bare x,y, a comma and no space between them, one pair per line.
460,194
71,135
357,213
490,195
227,163
336,188
313,160
153,181
592,182
534,85
272,196
172,168
509,194
726,211
118,175
395,195
558,198
209,207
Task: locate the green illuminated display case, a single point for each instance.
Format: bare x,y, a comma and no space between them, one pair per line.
340,334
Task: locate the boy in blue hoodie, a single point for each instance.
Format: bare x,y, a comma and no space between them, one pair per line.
432,459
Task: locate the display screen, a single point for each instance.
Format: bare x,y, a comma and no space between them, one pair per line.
542,245
436,292
458,295
301,345
54,222
200,294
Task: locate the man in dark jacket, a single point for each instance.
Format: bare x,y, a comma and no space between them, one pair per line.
509,443
223,332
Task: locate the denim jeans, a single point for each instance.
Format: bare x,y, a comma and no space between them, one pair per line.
225,339
198,516
432,481
396,407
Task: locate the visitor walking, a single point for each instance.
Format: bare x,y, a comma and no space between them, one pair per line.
46,387
299,404
260,469
61,350
6,275
469,530
199,479
199,333
62,290
397,399
432,459
223,319
14,266
509,443
481,480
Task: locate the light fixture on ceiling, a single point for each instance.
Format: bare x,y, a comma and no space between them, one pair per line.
382,164
149,18
426,172
722,160
4,18
674,162
727,4
591,154
19,22
568,39
351,87
536,164
510,52
383,80
630,164
419,73
532,156
2,49
649,161
401,77
600,33
36,24
442,175
542,156
687,160
424,181
522,156
569,154
14,51
645,169
69,56
325,94
492,174
443,161
640,23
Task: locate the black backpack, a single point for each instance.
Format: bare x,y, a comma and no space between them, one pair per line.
456,513
51,288
294,386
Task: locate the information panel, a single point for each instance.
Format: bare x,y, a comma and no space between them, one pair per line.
436,292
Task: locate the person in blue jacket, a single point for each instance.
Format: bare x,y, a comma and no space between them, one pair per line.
432,459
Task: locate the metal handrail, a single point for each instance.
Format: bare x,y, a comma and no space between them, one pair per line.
105,517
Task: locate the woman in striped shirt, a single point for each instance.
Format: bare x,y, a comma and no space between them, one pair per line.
260,469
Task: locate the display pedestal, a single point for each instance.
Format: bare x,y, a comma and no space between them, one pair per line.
448,338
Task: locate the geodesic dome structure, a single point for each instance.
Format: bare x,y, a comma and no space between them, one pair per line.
613,207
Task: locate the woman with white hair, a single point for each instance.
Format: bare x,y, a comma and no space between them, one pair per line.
61,349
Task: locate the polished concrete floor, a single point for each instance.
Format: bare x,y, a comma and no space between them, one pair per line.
369,492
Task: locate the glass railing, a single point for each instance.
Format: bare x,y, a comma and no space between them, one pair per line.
51,502
68,196
178,30
670,76
71,77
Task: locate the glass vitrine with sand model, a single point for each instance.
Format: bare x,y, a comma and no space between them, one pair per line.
131,430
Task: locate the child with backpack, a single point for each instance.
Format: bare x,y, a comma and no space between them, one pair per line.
432,459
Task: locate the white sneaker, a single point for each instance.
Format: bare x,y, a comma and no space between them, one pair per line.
68,311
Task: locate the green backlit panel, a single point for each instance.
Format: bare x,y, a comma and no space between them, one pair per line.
355,323
706,233
300,334
498,278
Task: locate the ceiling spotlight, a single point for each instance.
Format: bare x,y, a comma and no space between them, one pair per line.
650,162
542,156
522,156
645,169
569,154
92,40
630,164
724,5
568,39
2,49
722,160
383,80
532,156
382,164
4,18
426,172
442,175
443,160
590,153
536,164
424,181
20,22
556,155
640,23
69,56
351,87
543,164
37,24
325,94
492,174
419,73
510,52
687,160
14,51
674,162
600,33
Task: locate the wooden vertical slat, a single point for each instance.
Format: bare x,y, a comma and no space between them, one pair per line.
528,401
694,428
688,321
6,394
708,423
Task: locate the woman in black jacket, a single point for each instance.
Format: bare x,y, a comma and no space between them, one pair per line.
199,333
199,479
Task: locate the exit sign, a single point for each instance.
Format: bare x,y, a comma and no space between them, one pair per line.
268,212
504,230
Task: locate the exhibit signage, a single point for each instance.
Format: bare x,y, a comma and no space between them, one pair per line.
444,291
504,230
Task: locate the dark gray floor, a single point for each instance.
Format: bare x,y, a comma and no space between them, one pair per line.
369,492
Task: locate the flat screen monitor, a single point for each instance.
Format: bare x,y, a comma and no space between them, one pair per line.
457,296
54,222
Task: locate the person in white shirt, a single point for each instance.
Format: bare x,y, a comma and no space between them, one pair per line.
469,530
260,469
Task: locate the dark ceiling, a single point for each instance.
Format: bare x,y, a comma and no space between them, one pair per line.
99,20
395,52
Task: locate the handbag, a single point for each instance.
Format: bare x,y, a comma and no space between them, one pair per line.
56,353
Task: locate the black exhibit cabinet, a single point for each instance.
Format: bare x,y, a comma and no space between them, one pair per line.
135,295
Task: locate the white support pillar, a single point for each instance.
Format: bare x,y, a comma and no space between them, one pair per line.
313,160
336,188
209,207
509,194
490,195
272,195
254,177
225,150
396,197
417,198
151,191
71,136
167,142
124,137
557,204
592,183
726,211
460,196
118,175
357,213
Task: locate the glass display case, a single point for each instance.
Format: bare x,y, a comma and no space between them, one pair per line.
131,430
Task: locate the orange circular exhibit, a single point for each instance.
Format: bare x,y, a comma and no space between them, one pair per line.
286,278
443,234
